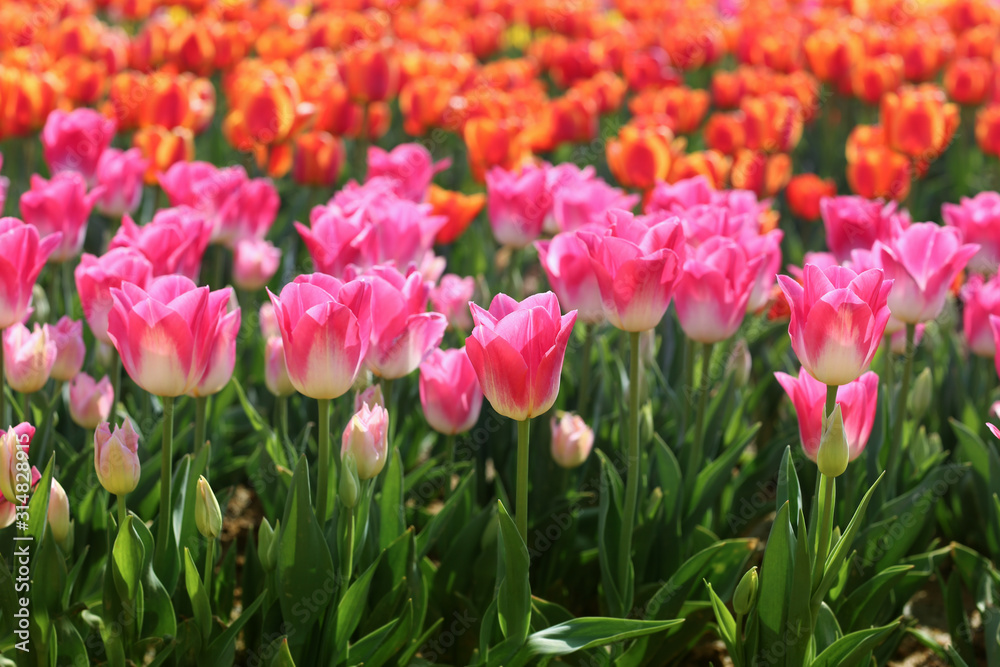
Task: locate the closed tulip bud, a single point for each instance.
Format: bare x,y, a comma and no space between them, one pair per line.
58,514
207,514
740,364
90,402
833,454
28,357
14,446
746,593
67,335
372,396
572,440
267,539
350,485
922,394
255,262
365,440
275,372
116,458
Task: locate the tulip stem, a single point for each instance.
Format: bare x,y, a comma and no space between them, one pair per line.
116,380
283,424
827,494
887,362
67,286
349,556
831,402
588,344
209,567
696,451
200,408
166,456
896,444
521,511
323,478
688,370
632,482
122,510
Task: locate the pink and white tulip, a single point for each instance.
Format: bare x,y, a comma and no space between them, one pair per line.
116,457
73,141
120,175
566,261
366,440
572,440
28,357
22,256
90,402
979,219
981,298
517,204
451,298
255,262
96,276
222,353
410,167
67,335
174,242
275,372
450,392
854,223
61,205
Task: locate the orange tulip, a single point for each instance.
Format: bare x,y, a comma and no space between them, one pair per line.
336,113
26,99
318,159
726,132
773,122
685,107
375,123
264,113
85,79
876,171
485,34
492,143
977,42
967,80
832,54
713,165
864,136
727,89
759,172
163,148
873,77
422,102
988,129
923,52
148,49
371,72
568,119
639,158
191,47
649,69
804,193
606,89
459,209
918,121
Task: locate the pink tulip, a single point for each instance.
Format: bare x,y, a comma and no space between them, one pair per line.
14,446
713,290
684,194
174,242
90,402
8,510
116,457
979,220
366,440
96,276
566,261
275,373
897,341
572,440
822,260
517,350
120,174
372,395
637,263
326,328
451,299
409,166
202,186
222,353
837,320
268,321
74,140
565,176
857,223
766,248
981,299
449,392
517,204
165,333
587,203
923,261
22,256
857,399
67,335
60,205
255,262
403,333
28,357
248,213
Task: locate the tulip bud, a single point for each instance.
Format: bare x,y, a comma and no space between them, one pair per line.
922,394
365,438
372,395
67,335
255,262
572,440
207,515
740,363
89,401
58,514
275,372
833,454
350,486
269,322
267,539
746,593
14,460
28,357
116,459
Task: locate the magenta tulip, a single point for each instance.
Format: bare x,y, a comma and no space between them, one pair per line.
517,204
517,350
255,262
325,328
222,352
837,320
451,298
74,141
410,167
248,213
981,298
403,333
587,203
201,185
857,223
766,247
637,263
28,357
174,242
90,402
96,276
165,333
979,220
923,261
60,205
22,256
572,440
566,261
120,174
857,399
450,392
67,335
712,292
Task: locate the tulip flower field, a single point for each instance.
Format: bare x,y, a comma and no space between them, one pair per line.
342,333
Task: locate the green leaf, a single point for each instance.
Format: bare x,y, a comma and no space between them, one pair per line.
394,641
860,607
788,485
514,593
713,478
392,516
725,622
853,650
799,612
128,556
776,580
282,656
305,565
581,634
199,598
49,567
956,659
608,536
256,421
667,601
38,506
352,607
222,650
439,522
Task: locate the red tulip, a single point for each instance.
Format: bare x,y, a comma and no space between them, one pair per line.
95,276
517,350
838,317
22,256
325,328
449,391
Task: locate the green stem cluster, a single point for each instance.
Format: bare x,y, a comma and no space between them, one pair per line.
632,481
